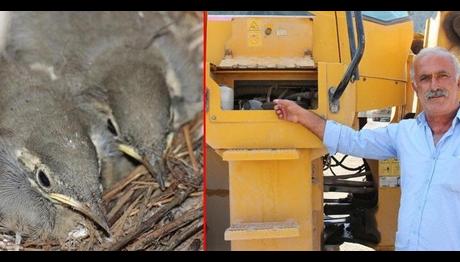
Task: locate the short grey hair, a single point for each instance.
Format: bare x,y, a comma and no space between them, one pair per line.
438,51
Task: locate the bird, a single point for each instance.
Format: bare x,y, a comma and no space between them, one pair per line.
134,86
126,70
49,171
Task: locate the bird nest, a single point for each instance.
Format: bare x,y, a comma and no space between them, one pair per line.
140,215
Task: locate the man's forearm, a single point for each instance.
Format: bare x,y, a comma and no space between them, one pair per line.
313,122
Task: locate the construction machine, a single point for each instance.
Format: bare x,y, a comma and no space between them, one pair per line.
266,186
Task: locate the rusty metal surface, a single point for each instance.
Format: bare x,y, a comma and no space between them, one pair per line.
242,62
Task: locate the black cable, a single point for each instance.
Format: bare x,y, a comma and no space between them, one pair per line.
328,165
340,163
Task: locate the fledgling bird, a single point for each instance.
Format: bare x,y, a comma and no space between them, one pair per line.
49,174
65,45
122,67
135,89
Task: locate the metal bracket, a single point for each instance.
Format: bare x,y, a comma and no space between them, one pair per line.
351,74
334,106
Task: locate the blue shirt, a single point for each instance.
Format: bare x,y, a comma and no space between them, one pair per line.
429,213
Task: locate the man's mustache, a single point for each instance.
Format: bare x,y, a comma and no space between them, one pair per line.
436,93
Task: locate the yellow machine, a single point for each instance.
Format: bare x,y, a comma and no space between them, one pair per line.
333,63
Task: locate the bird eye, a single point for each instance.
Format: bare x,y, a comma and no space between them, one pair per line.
43,179
111,127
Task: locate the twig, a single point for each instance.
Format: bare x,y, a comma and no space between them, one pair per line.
90,240
193,243
190,148
120,222
162,202
154,184
196,194
137,194
182,175
166,194
143,206
180,222
139,171
178,199
119,204
177,239
183,179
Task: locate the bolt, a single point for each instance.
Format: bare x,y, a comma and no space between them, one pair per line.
268,31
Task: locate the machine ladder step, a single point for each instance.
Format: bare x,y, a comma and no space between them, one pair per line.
260,154
263,230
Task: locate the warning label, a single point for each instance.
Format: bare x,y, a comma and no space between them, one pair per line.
389,181
254,33
253,25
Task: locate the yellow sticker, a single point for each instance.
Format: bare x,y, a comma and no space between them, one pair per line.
254,39
253,25
254,33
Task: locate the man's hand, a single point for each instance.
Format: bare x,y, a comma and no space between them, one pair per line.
288,110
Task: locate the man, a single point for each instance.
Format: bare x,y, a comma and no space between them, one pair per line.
428,148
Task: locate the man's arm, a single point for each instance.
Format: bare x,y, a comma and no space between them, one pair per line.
373,144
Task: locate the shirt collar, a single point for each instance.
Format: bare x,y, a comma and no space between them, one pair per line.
421,118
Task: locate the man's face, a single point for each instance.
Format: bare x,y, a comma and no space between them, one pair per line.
436,84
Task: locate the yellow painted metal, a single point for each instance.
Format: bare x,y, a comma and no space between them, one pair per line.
317,190
267,230
217,204
330,77
325,44
386,51
387,216
375,93
388,203
381,89
275,187
274,63
270,191
218,32
272,132
382,69
389,194
269,36
260,154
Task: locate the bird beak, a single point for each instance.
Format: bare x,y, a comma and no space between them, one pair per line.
130,151
156,166
153,165
94,213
